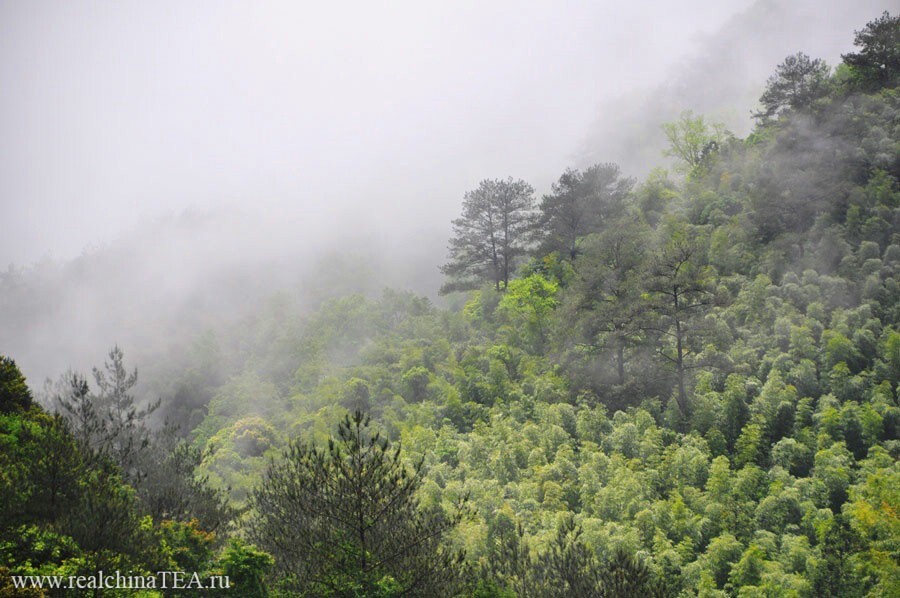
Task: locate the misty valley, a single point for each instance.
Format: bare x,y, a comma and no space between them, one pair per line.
683,383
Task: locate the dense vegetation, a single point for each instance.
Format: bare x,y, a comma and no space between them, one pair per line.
681,386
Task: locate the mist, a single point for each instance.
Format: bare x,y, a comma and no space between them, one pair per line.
722,76
165,167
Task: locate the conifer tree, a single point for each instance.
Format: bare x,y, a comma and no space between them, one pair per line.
345,520
797,83
581,203
14,392
877,63
489,237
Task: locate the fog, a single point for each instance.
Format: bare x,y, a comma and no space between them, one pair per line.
723,75
165,166
113,113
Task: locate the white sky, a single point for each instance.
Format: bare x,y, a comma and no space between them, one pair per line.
112,113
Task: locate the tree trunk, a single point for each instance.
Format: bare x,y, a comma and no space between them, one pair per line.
506,244
679,358
620,361
679,368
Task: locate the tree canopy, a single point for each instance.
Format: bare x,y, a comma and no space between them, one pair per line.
877,63
345,520
797,83
581,203
490,236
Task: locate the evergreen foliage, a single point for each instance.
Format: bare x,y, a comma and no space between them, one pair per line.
346,520
491,235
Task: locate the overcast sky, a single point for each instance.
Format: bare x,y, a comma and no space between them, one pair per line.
375,117
115,112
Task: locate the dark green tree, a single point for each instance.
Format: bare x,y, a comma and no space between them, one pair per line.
489,237
735,412
127,429
59,499
569,568
345,521
796,84
877,63
582,202
171,488
106,520
14,392
834,574
510,565
74,402
607,292
679,290
160,466
622,575
108,423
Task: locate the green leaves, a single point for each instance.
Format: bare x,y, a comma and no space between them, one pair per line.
489,237
877,63
346,519
14,392
797,83
693,141
526,306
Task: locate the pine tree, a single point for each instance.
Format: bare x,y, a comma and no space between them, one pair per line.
797,83
108,423
877,64
581,203
491,234
14,392
346,521
680,291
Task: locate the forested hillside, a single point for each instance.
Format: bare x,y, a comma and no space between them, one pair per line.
683,385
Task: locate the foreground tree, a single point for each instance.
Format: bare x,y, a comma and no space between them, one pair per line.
59,502
346,521
490,235
162,468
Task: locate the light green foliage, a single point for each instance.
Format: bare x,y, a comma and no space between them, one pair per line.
237,455
873,514
693,141
246,568
723,436
527,305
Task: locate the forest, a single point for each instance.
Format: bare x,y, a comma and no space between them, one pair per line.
685,385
